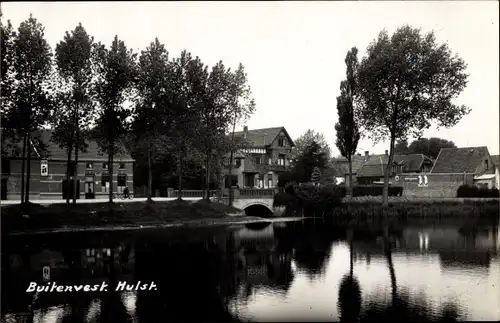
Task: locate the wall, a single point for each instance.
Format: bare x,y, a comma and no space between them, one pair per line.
439,185
50,187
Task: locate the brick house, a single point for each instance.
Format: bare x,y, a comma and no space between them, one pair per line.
372,171
266,156
469,160
93,172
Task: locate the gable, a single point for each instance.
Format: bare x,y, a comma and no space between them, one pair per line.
263,137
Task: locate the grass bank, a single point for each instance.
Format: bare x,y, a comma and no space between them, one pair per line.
35,217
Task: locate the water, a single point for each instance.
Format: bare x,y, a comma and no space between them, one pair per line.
298,271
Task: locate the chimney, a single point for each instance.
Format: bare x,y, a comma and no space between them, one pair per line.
367,153
386,152
245,131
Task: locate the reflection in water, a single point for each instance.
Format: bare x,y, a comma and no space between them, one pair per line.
293,271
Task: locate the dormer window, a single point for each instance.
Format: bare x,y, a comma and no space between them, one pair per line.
257,160
282,142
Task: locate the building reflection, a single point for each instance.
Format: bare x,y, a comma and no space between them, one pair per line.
262,261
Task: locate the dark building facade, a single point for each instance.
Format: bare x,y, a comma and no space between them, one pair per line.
48,173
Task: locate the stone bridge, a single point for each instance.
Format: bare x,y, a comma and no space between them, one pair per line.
247,199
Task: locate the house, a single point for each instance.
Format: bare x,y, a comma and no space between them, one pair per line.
259,164
48,172
496,161
468,160
342,166
373,170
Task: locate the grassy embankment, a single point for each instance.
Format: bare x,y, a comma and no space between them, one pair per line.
35,217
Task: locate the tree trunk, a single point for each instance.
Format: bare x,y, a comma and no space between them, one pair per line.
350,186
150,178
68,168
388,168
231,178
23,164
179,174
28,170
75,177
110,172
231,193
207,179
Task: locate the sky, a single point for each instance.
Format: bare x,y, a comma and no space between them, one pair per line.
294,52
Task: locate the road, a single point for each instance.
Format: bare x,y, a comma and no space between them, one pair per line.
138,199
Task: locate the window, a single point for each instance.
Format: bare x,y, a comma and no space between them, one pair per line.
257,160
281,160
104,165
90,165
6,166
121,182
270,161
281,142
122,166
270,180
105,183
486,163
237,162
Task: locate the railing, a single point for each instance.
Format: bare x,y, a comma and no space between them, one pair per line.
192,193
238,193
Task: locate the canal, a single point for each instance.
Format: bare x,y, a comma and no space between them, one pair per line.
294,271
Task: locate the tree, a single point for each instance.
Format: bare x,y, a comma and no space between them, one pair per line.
183,114
152,90
115,77
347,128
430,146
210,97
316,175
302,142
401,147
312,157
242,107
406,82
74,66
30,106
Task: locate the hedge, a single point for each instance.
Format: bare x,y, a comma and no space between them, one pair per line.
474,191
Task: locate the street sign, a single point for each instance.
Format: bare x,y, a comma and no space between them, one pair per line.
44,167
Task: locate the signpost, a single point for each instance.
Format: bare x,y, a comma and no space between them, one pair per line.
44,168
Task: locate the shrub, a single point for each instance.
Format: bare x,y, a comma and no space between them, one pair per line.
474,191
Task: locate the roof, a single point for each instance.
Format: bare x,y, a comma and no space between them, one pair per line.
459,160
54,152
263,137
375,166
357,162
485,176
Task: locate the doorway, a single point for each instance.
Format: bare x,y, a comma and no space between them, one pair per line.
89,187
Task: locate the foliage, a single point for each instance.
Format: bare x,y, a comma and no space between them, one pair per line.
474,191
305,140
430,147
312,157
347,129
406,82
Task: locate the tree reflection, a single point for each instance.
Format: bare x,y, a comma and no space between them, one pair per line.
312,253
402,307
349,301
192,279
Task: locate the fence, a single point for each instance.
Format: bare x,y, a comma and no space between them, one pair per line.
238,193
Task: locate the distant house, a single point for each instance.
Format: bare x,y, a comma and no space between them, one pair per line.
469,160
373,170
266,156
496,161
48,172
342,166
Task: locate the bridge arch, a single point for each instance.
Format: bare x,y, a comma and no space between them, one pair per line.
257,208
